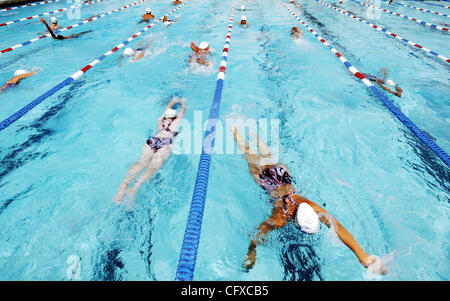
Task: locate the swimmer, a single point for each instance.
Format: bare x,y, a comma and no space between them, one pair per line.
155,152
390,1
15,80
292,2
200,54
167,22
383,81
54,24
136,54
243,23
176,2
242,8
296,33
60,37
147,16
275,179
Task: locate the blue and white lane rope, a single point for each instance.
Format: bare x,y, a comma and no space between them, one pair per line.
49,13
379,28
69,27
30,4
188,253
430,25
17,115
394,110
419,9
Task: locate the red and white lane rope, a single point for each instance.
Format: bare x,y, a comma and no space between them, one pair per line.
386,102
433,26
27,5
17,115
419,9
49,13
379,28
69,27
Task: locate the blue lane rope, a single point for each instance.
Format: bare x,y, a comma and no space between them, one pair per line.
188,253
394,110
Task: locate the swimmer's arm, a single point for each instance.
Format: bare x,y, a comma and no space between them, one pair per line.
194,47
48,28
183,108
345,236
396,93
276,220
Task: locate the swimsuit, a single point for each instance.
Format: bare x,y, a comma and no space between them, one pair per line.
155,143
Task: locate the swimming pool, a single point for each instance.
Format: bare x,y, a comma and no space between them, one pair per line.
61,163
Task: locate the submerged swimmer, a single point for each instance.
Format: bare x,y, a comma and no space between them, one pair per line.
147,16
54,24
296,33
383,81
288,205
136,54
155,151
60,37
200,54
18,76
243,23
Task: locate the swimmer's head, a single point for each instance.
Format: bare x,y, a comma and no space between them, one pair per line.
390,82
307,219
203,45
20,72
243,20
148,10
128,51
242,7
170,113
54,20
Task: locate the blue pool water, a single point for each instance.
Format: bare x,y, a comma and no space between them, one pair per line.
61,164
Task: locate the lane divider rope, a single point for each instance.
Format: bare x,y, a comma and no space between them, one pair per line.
381,29
188,253
394,110
20,113
420,9
69,27
430,25
49,13
30,4
432,4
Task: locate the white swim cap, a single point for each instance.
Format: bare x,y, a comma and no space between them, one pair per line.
170,113
242,7
54,20
307,219
148,10
128,51
390,82
244,18
203,45
20,72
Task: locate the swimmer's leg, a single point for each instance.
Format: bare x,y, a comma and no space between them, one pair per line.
134,170
157,161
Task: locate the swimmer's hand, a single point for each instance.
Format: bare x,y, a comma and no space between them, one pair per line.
42,20
375,264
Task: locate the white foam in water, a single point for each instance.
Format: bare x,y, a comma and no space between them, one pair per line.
331,234
374,270
196,68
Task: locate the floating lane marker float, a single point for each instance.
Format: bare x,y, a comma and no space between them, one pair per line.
394,110
69,27
17,115
420,9
49,13
433,26
381,29
188,253
27,5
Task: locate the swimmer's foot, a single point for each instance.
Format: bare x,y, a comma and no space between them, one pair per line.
120,193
